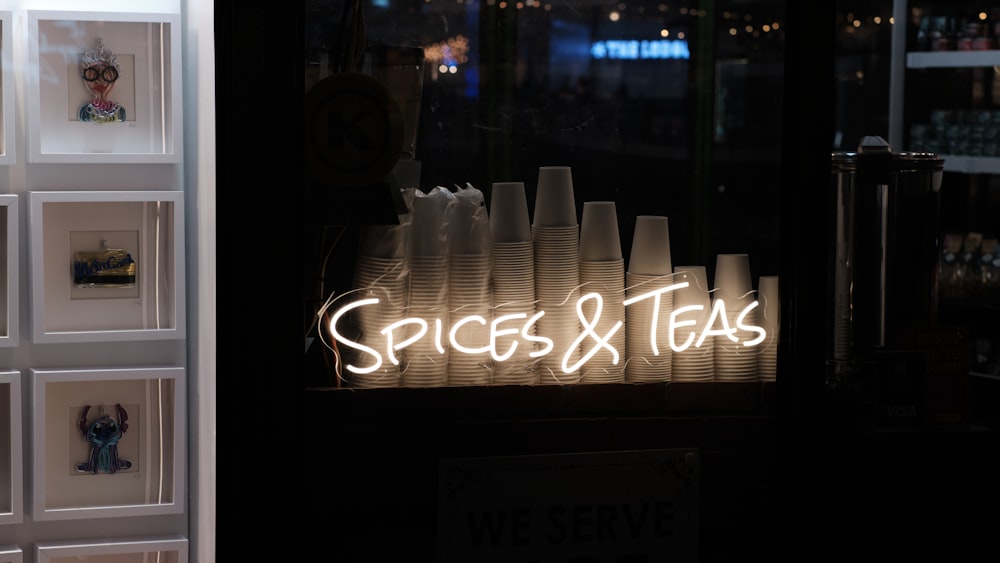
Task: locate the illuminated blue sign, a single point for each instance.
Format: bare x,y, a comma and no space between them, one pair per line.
634,49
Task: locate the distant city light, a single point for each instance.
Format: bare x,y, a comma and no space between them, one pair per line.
448,55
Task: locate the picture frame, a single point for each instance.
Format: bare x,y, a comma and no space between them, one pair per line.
67,232
7,89
133,117
11,554
166,549
10,299
11,451
78,415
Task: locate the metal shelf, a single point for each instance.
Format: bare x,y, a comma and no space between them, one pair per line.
971,164
952,59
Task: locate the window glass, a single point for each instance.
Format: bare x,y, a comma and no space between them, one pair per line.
668,108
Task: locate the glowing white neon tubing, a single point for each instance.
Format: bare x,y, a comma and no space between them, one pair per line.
761,333
718,312
387,331
438,330
546,344
675,324
497,333
465,349
656,310
336,334
588,330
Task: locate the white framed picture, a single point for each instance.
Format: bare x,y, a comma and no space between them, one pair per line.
11,554
11,450
171,549
7,144
108,442
107,266
10,298
104,87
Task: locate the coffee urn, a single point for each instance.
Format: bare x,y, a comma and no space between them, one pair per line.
885,253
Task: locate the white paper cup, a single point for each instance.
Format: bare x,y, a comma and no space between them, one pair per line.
732,281
697,289
769,319
428,236
599,240
555,201
650,246
695,294
469,225
770,301
509,218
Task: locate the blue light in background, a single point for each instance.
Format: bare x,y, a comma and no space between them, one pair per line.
634,49
472,82
472,73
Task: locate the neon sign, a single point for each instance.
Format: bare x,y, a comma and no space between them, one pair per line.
507,332
635,49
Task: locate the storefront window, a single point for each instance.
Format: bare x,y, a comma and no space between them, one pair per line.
665,108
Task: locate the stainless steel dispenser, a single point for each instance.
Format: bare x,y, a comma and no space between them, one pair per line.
886,248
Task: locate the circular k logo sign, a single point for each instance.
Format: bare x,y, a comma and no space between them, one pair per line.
354,129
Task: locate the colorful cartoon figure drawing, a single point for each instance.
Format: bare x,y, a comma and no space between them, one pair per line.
103,435
100,70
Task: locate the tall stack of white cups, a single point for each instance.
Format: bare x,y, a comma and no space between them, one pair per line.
694,354
770,320
513,284
469,293
732,298
647,321
380,273
555,233
426,359
602,284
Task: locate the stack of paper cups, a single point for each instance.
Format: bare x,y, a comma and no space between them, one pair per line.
734,310
469,292
556,236
694,353
647,320
426,359
770,320
380,273
602,284
513,284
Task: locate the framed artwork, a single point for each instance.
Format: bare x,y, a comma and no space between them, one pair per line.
11,554
173,549
104,87
9,272
11,450
108,442
107,266
6,89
